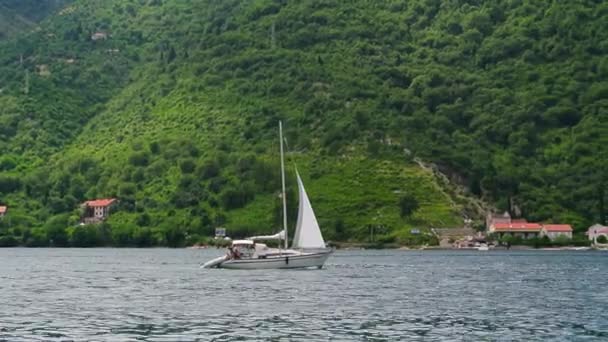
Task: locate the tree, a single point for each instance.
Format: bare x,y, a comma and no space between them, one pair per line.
407,205
9,184
601,239
175,236
339,229
86,236
55,229
187,166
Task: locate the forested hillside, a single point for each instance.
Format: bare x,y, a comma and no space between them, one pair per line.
22,15
172,107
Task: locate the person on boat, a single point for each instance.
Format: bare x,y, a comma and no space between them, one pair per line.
233,253
236,254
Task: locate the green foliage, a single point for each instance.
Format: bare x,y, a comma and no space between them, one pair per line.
9,184
56,231
601,239
88,235
407,205
8,241
176,113
7,163
17,16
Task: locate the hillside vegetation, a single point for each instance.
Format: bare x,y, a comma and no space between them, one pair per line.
17,16
175,112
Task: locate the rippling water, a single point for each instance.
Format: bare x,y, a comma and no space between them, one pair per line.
163,295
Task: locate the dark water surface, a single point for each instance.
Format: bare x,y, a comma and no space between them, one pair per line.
163,295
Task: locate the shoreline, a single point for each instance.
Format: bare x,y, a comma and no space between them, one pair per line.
353,248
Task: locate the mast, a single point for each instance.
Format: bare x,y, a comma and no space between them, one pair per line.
283,186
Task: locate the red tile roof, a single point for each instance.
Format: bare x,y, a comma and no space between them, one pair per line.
517,226
557,227
104,202
3,209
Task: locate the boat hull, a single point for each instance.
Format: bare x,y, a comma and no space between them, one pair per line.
305,260
215,262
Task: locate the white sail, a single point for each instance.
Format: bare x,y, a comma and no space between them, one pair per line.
308,234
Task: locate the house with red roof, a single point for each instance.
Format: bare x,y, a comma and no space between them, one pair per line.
501,225
96,211
524,230
3,210
596,231
553,231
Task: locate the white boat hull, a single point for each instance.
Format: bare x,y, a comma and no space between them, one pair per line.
215,262
304,260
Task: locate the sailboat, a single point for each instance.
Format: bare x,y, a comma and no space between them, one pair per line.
308,247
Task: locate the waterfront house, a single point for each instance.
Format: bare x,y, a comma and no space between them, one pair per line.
3,210
596,231
96,211
524,230
553,231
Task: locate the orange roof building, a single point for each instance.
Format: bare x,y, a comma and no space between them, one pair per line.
97,210
552,231
526,230
104,202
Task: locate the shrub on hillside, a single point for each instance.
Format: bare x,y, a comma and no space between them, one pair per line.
143,237
209,169
187,166
139,159
407,205
9,184
86,236
235,198
7,163
36,238
56,232
8,241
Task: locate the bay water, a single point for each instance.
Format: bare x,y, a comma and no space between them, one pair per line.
108,294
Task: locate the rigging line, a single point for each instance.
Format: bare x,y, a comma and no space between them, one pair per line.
292,159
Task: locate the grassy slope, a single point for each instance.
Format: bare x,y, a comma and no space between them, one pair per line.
352,188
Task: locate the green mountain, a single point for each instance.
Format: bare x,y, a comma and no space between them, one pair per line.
17,16
172,106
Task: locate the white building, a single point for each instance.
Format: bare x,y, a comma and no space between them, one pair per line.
99,36
553,231
596,231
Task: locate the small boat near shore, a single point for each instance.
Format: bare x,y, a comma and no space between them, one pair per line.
308,248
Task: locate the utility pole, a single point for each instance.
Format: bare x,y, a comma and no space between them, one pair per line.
26,90
272,37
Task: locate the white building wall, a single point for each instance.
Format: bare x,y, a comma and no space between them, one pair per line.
555,235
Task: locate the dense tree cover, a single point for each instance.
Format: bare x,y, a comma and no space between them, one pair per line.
21,15
175,113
